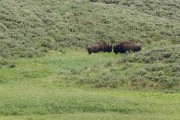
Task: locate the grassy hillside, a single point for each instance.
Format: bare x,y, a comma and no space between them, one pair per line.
162,8
32,28
46,73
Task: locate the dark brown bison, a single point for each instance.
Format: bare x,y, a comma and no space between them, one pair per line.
127,46
99,46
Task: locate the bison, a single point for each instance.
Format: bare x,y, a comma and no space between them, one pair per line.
127,46
99,46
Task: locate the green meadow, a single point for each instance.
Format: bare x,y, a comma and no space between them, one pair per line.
47,74
75,85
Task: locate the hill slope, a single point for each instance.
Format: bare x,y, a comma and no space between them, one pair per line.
162,8
31,28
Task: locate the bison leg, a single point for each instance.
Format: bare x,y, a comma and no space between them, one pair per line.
116,53
122,51
89,52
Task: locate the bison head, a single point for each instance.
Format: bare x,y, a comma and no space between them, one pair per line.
109,48
116,49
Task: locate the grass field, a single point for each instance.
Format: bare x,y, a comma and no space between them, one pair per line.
57,87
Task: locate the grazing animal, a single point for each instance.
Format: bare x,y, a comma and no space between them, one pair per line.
127,46
99,46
